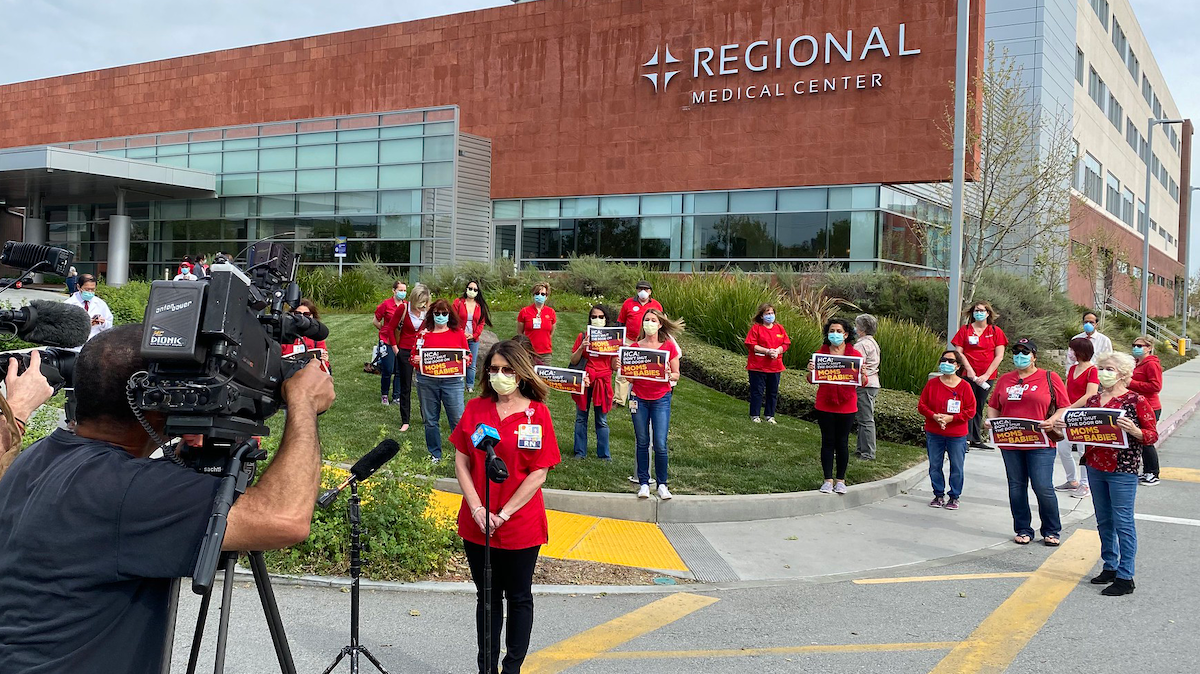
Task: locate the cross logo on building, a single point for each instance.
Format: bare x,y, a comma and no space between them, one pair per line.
666,74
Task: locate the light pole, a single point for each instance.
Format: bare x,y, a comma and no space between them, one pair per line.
1146,232
954,299
1187,249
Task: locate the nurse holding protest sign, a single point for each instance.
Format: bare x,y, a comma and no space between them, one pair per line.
652,364
836,369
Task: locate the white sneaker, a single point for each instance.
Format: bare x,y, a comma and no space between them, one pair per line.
827,488
663,492
757,420
770,420
644,491
839,488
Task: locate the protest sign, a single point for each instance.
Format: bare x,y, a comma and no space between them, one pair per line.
443,363
639,363
561,378
1020,433
831,369
604,341
1095,426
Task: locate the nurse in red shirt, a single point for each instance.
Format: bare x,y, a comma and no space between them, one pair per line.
635,308
383,318
308,308
1082,383
598,371
948,405
982,342
1147,381
537,322
650,402
472,310
441,331
511,401
404,326
837,406
766,342
1029,393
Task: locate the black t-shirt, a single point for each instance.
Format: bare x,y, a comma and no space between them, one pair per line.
89,539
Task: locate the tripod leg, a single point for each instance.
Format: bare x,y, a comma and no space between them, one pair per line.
364,651
198,635
266,595
345,651
226,609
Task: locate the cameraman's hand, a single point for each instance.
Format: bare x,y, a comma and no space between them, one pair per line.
27,392
310,388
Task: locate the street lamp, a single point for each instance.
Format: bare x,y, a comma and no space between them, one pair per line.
1187,248
1146,232
954,294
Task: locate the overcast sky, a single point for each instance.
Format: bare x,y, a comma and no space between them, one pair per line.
54,37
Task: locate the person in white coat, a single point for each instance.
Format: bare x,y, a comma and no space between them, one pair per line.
96,308
1101,344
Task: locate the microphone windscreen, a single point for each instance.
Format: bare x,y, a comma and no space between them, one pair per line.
484,435
56,324
383,452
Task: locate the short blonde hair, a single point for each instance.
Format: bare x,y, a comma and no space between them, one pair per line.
1121,362
419,295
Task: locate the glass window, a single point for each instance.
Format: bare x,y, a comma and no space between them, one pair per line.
1113,195
841,197
315,180
656,236
403,201
316,138
610,206
205,208
401,131
814,199
277,181
507,209
277,206
711,235
580,208
241,144
164,150
439,128
356,202
1079,64
179,160
864,197
618,236
237,183
317,155
205,162
587,236
403,176
172,210
350,154
802,235
276,141
712,202
277,158
362,178
751,236
194,148
439,148
357,134
400,151
240,207
440,174
539,208
661,204
140,152
400,226
752,202
862,235
839,234
314,204
240,162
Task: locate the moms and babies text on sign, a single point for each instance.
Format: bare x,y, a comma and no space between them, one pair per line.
443,362
1014,432
1095,426
831,369
639,363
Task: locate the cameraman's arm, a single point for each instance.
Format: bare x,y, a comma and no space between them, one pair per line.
276,512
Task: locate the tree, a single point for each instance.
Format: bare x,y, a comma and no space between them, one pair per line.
1101,258
1017,211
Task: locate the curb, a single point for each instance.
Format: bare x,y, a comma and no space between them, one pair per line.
685,509
1168,426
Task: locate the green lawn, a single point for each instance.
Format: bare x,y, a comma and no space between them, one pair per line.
714,447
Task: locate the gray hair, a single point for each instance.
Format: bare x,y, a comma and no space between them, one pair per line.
1121,362
866,324
419,295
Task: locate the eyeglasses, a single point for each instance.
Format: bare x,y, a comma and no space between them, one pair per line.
501,369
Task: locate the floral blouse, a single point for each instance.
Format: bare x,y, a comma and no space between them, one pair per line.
1129,459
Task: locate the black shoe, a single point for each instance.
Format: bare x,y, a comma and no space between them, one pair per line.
1106,576
1119,587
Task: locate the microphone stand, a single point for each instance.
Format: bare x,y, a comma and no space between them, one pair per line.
494,470
357,546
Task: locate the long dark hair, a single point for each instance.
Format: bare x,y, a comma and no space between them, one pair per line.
440,305
851,335
483,307
528,383
602,308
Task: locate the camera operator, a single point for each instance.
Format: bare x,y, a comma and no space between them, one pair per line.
93,530
23,394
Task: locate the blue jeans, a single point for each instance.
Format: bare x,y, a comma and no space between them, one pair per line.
1036,467
387,366
938,447
433,393
581,419
763,383
652,419
1113,495
474,345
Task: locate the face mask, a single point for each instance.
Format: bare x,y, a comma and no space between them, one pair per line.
980,315
87,295
1138,351
472,293
650,327
441,320
1022,360
599,322
947,368
1108,378
643,295
503,383
1089,328
400,295
837,338
768,318
539,298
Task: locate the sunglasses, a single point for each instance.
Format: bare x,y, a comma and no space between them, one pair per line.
501,369
1023,351
949,360
1140,344
441,313
302,313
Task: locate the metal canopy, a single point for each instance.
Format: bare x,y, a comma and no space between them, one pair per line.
63,176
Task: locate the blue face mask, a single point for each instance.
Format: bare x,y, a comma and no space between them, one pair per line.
836,338
1138,351
441,320
87,295
400,295
980,316
1022,360
768,318
539,298
1089,327
947,368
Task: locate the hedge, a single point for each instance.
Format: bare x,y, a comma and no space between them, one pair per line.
896,416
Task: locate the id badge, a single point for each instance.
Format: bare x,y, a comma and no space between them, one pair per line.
529,436
633,405
973,340
537,323
953,406
1015,393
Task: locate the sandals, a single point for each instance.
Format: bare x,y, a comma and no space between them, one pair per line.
1051,541
1022,539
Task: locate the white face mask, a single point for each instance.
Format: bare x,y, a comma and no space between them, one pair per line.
598,322
1108,378
643,295
503,384
471,293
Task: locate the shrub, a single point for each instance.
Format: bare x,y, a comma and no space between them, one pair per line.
128,303
896,416
592,276
355,290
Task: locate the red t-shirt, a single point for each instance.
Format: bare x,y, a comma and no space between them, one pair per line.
402,321
769,337
935,399
1028,397
538,324
1077,384
1147,380
631,316
383,314
980,354
446,339
460,308
599,370
526,527
837,398
645,389
303,345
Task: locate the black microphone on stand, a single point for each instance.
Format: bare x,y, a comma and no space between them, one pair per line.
362,469
485,439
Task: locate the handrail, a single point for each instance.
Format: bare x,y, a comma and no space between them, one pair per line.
1156,330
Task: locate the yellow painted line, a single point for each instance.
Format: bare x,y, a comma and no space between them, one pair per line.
926,579
780,650
640,544
1180,474
587,645
1002,635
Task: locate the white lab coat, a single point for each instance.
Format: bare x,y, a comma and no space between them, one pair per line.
96,308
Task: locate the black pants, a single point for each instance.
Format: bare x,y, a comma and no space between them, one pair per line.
512,577
835,442
978,435
1150,453
404,374
764,383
